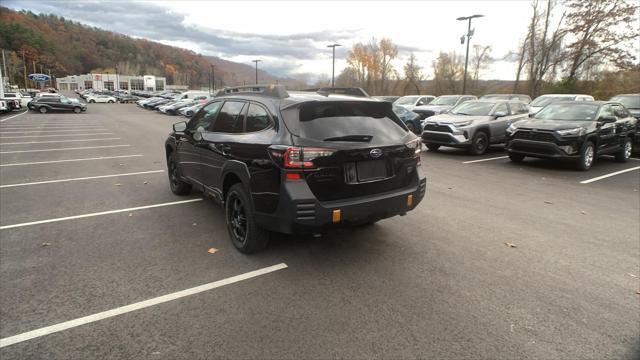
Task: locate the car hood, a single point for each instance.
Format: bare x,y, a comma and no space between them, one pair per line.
453,119
552,124
435,108
635,113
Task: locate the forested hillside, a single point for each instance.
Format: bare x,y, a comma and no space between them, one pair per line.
53,43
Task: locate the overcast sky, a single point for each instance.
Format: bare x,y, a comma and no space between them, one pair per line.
291,36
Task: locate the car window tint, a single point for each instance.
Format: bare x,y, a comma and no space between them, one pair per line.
203,119
257,118
501,108
606,111
226,119
620,111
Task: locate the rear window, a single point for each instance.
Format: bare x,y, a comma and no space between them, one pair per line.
333,120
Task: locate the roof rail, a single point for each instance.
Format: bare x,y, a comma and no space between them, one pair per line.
276,91
351,91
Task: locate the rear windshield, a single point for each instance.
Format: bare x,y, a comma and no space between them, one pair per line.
332,121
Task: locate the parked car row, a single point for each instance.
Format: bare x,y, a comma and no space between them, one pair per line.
45,104
186,103
567,128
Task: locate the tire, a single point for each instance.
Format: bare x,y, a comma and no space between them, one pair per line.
43,110
433,147
516,157
110,101
479,143
77,110
587,156
178,186
245,234
625,153
92,101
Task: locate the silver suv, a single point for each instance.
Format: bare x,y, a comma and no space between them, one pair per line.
474,124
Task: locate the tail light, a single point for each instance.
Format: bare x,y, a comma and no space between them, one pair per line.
292,157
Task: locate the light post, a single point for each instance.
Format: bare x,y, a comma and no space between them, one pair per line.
117,87
466,58
256,61
333,64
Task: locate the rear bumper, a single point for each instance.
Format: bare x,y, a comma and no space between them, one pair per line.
300,212
542,149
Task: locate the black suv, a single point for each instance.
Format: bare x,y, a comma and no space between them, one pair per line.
574,130
296,162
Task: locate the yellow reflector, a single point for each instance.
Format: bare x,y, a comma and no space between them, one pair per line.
409,200
336,216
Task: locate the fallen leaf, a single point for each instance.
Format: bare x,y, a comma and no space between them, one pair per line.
638,291
118,184
130,214
548,202
121,164
146,182
450,188
212,250
630,274
194,224
583,212
544,178
46,244
510,244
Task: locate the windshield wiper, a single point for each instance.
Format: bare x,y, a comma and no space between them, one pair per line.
356,138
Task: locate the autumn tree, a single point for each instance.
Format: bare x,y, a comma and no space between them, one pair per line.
371,64
602,31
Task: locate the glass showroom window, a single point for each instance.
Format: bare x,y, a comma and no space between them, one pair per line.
159,85
137,84
88,84
109,85
124,85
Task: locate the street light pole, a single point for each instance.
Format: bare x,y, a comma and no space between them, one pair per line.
466,58
333,64
256,61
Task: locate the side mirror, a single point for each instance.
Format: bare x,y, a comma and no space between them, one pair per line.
500,114
180,127
607,119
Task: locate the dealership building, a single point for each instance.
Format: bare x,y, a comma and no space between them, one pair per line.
111,82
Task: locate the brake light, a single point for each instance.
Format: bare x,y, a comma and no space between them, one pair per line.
415,145
294,157
292,176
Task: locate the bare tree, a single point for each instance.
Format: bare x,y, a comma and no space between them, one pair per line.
602,29
412,74
480,61
448,70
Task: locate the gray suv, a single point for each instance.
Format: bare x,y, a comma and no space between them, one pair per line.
474,124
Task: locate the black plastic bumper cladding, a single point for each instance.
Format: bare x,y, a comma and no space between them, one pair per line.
299,211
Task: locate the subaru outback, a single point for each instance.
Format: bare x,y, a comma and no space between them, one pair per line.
296,162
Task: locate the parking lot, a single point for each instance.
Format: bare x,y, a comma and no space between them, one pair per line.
98,259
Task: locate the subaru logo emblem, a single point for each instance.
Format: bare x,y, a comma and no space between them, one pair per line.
375,153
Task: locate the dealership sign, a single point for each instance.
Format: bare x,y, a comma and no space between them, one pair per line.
38,77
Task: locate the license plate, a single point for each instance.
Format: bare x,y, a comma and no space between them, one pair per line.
371,170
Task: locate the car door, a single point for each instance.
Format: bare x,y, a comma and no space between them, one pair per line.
52,102
187,157
215,145
624,122
606,132
499,123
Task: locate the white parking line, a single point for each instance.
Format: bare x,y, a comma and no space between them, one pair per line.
14,116
97,214
57,141
29,136
81,178
489,159
49,131
64,149
70,160
137,306
610,175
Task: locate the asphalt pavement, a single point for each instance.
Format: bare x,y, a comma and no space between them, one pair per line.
98,259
